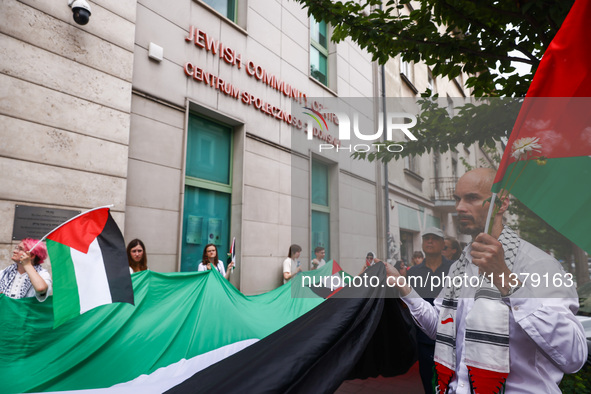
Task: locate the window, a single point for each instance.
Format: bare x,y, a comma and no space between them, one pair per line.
208,190
319,51
406,69
436,174
430,82
450,107
406,246
224,7
407,74
410,163
320,207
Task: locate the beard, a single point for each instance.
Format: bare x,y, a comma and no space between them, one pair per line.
470,227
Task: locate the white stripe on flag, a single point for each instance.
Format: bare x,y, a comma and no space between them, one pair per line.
167,377
91,277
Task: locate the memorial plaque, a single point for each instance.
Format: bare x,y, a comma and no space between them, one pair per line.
36,222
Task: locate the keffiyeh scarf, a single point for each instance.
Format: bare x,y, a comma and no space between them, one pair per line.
8,277
487,329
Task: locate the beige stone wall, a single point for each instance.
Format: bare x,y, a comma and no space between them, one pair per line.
270,176
154,181
65,101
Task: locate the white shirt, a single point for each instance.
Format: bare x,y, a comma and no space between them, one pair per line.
19,281
220,267
545,338
320,263
289,266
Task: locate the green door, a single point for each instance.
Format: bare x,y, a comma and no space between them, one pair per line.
208,191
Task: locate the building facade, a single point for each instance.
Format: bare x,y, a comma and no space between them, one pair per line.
187,118
65,112
211,154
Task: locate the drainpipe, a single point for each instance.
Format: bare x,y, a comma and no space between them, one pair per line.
386,182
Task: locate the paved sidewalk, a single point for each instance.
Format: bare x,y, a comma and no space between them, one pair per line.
409,383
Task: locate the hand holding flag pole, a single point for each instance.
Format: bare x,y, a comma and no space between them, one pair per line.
488,226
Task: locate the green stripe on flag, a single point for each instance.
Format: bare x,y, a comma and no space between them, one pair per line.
66,300
177,316
559,192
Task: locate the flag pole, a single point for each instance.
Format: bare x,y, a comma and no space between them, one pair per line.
490,210
233,254
68,221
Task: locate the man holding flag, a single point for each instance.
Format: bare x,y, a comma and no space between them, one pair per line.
499,326
514,329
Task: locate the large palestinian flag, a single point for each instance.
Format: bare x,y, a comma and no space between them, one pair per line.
547,163
194,332
324,281
89,264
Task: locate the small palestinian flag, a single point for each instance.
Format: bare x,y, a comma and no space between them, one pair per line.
233,252
89,265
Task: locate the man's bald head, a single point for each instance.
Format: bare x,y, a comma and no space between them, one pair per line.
482,178
472,191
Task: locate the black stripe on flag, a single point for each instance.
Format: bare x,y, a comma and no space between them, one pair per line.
342,338
114,254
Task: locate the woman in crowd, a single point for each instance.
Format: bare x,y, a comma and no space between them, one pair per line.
402,267
417,258
211,260
451,249
25,277
370,259
136,256
291,265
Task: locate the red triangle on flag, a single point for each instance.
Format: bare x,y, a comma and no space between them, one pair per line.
336,267
80,232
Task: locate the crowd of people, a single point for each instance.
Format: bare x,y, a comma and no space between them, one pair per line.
26,277
503,332
502,335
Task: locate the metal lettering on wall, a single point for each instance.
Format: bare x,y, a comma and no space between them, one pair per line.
36,222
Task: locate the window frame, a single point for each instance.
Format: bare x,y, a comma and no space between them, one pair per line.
407,74
323,50
206,184
234,7
314,207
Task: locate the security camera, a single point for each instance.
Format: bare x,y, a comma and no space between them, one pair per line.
81,11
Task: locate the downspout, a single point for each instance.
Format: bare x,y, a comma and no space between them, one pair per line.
386,182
